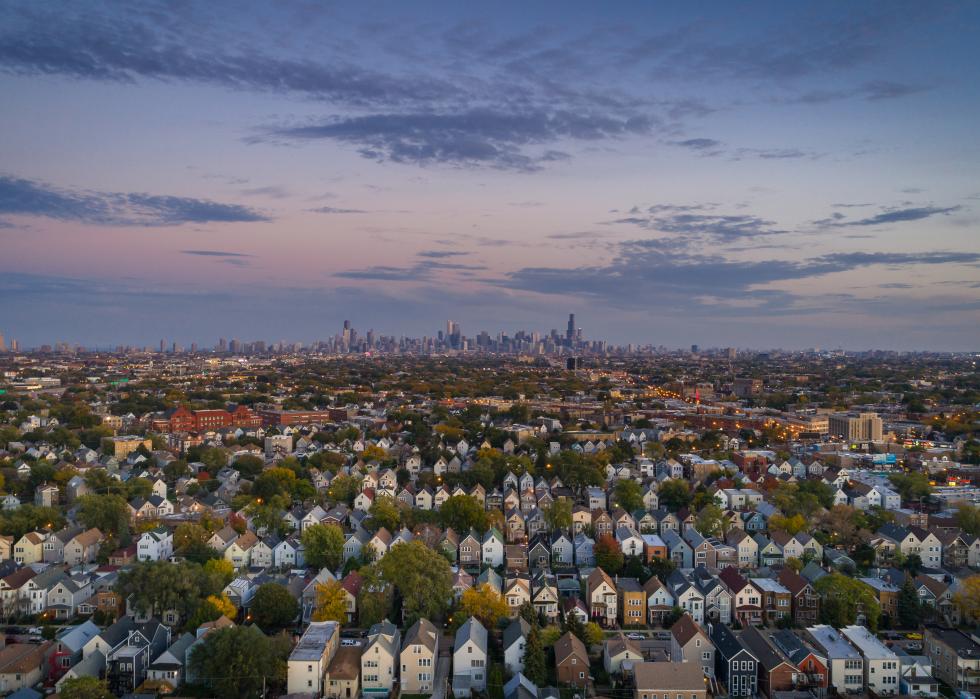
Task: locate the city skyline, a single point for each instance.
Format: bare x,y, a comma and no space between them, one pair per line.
765,176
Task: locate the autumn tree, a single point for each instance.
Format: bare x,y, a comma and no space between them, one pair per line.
558,514
608,554
967,599
330,603
711,521
385,513
484,603
84,688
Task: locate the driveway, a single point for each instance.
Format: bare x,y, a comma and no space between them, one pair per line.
441,684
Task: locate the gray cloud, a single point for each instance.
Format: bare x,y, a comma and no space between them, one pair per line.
476,137
439,254
28,198
679,220
336,210
838,220
874,91
414,273
213,253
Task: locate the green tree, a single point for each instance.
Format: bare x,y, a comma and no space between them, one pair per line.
159,586
674,494
108,513
911,486
909,605
627,494
558,514
374,600
85,688
711,521
968,519
842,597
273,606
608,554
237,661
421,577
535,664
385,513
462,513
324,546
249,466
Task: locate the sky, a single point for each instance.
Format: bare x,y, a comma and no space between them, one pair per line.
759,174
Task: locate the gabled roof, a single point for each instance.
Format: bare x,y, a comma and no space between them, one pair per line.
570,645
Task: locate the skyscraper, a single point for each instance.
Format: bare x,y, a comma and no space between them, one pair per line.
3,344
570,332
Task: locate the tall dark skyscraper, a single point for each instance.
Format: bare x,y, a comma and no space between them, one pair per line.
570,332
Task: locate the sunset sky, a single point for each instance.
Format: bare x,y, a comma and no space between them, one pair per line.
767,174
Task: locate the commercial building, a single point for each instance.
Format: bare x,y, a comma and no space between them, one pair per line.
855,427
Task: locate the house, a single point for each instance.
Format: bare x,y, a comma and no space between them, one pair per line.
169,665
689,643
513,644
29,548
881,665
132,648
844,663
804,600
155,545
517,592
746,597
544,596
955,657
23,665
601,597
660,601
669,679
64,597
632,602
735,666
83,547
492,547
343,677
470,549
572,661
240,550
584,550
813,673
419,653
776,599
562,549
470,664
379,661
307,664
776,673
620,654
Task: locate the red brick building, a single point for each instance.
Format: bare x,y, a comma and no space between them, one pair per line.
184,420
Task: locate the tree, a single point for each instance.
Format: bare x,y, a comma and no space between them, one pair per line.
484,603
913,564
249,466
967,600
159,586
108,513
841,597
330,603
535,667
911,486
608,554
220,572
385,513
672,617
627,494
237,661
968,519
273,606
711,521
593,634
909,605
422,578
324,546
558,514
374,597
462,513
85,688
790,525
674,494
223,605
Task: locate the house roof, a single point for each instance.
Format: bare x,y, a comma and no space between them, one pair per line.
669,676
568,645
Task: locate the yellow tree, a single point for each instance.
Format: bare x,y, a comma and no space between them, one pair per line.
484,603
967,600
331,602
223,605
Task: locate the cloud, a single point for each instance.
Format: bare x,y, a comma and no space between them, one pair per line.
919,213
439,254
336,210
213,253
126,47
873,91
475,137
679,220
272,192
705,146
419,272
29,198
